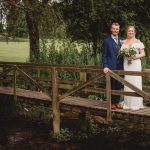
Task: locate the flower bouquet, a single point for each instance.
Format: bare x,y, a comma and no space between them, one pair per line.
127,52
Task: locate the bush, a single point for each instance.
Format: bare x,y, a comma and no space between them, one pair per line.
67,52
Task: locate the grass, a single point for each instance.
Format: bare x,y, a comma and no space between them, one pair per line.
14,51
18,51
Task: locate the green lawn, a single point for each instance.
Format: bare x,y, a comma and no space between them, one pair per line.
14,51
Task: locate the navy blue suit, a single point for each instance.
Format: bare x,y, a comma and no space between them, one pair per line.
110,59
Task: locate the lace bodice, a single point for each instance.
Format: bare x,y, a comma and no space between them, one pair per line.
137,45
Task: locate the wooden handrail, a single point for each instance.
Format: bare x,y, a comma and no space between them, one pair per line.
76,68
128,84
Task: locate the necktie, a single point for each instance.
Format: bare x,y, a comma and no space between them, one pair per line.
116,40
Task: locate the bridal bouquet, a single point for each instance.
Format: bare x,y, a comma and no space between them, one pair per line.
127,52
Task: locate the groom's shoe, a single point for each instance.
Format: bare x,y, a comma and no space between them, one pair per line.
113,106
118,106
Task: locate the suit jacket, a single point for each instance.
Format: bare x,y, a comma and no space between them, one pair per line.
110,54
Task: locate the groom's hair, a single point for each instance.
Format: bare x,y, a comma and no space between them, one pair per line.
115,23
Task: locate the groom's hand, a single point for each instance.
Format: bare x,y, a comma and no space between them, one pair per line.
106,70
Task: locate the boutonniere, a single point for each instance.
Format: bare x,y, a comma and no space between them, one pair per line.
121,42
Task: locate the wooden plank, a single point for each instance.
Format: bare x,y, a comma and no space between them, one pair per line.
142,111
132,73
82,102
94,106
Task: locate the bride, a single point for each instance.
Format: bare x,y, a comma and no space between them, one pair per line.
131,102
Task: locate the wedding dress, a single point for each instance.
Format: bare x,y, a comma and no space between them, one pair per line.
131,102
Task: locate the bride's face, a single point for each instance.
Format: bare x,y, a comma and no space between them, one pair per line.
131,32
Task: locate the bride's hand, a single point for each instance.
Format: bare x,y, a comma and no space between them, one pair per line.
130,58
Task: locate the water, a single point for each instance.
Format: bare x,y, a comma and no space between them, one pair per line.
21,135
25,135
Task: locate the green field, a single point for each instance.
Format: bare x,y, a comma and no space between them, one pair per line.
14,51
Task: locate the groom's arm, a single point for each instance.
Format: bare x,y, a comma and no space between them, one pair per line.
104,56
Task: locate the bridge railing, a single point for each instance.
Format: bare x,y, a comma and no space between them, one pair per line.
60,81
83,73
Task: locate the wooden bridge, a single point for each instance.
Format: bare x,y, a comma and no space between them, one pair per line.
71,86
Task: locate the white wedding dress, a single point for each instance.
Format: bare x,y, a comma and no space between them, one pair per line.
131,102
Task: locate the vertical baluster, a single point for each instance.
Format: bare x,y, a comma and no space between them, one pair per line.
108,97
14,82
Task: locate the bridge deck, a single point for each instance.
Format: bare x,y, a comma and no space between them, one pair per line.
95,106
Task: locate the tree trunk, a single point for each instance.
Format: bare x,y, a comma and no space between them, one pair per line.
32,23
95,37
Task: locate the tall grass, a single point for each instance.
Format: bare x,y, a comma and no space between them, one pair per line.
67,52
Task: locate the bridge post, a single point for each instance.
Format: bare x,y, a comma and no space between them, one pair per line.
4,76
55,102
108,97
38,76
14,82
83,78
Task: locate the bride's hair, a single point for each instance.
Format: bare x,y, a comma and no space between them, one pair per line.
130,26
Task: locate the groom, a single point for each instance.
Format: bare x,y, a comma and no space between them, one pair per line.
111,61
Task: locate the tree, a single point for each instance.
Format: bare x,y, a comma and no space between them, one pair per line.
90,20
40,18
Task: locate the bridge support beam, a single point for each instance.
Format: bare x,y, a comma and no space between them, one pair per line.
55,102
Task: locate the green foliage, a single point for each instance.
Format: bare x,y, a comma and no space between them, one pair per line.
16,24
86,20
67,52
90,20
80,136
97,96
65,135
91,129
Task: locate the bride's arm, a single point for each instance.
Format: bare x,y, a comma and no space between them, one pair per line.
140,55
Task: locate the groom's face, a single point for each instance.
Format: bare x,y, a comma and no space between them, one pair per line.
115,30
